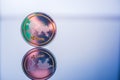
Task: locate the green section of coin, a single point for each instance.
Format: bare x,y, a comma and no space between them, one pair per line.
26,29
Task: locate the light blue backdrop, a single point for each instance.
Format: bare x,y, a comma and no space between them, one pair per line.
86,45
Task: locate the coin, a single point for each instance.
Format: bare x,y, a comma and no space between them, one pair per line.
38,29
39,63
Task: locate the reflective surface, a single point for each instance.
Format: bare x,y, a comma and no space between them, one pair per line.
87,51
38,29
39,63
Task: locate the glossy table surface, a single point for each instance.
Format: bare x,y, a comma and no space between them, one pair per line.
85,49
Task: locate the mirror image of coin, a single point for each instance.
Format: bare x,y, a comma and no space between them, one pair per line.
39,64
38,29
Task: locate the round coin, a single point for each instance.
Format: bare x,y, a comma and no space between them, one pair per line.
39,64
38,29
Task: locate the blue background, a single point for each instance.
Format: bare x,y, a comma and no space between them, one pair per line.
86,46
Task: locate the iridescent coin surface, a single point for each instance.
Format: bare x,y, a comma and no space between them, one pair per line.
39,64
38,29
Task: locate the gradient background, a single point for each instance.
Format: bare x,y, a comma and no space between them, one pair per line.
86,46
